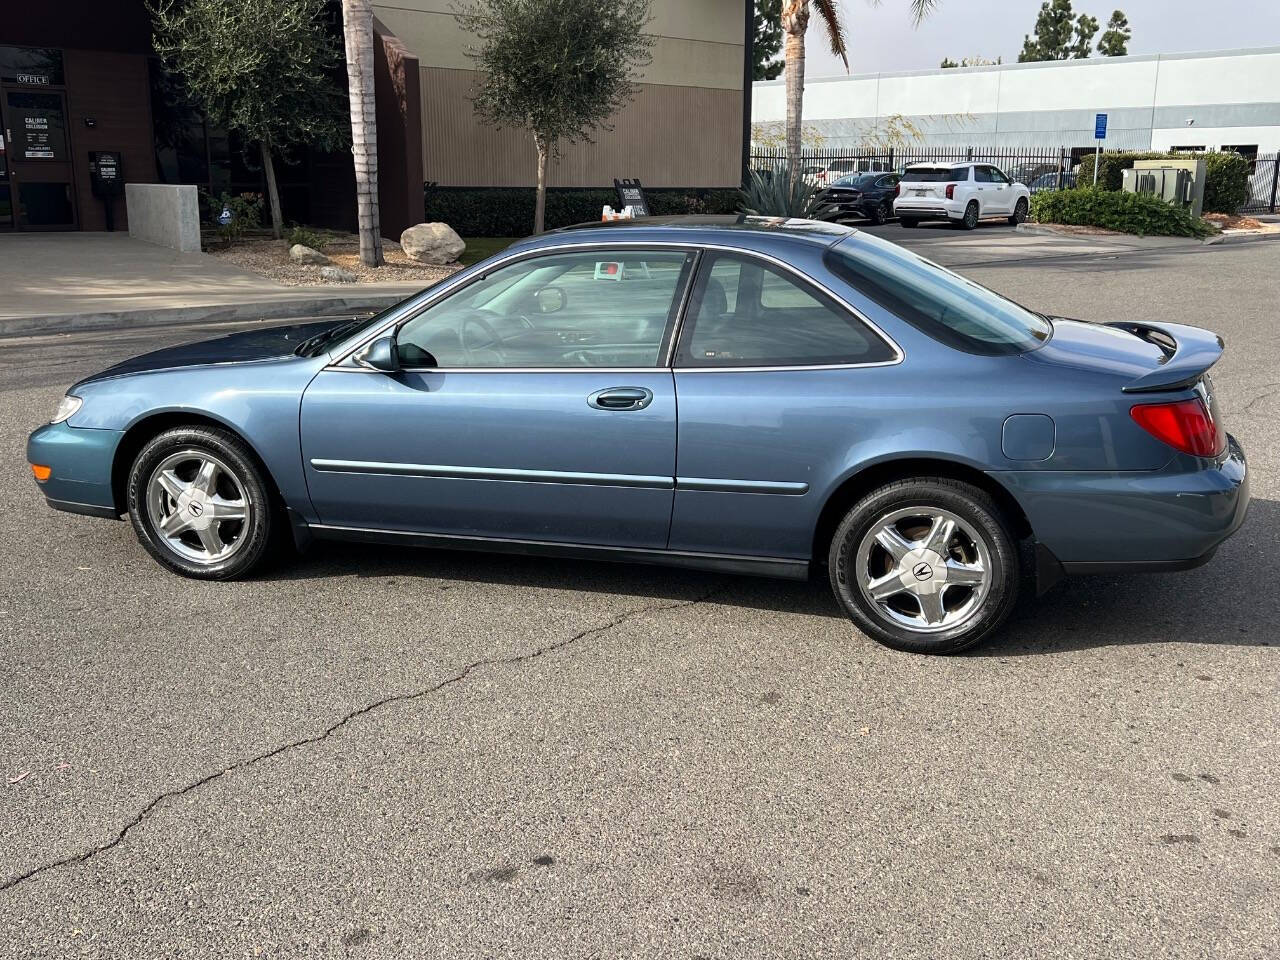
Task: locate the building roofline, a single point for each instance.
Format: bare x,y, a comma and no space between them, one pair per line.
1037,65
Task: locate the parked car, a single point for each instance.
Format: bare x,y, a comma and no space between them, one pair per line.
963,193
866,195
815,173
1049,181
1027,172
842,168
844,405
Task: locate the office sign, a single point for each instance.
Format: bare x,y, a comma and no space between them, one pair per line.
1100,127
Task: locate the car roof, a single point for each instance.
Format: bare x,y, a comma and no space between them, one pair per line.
741,230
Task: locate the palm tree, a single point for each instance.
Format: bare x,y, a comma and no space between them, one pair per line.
795,21
357,28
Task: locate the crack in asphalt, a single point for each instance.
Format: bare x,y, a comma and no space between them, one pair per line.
337,725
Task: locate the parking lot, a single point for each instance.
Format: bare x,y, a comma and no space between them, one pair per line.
380,752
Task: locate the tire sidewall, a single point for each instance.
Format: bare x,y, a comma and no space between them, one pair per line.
1020,211
966,221
237,457
976,509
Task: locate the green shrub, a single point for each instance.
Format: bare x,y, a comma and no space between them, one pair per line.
245,209
508,211
1226,184
1138,213
307,237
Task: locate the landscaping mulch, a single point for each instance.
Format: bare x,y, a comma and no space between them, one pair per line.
270,258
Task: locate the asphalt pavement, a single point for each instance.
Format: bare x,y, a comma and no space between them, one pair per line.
378,752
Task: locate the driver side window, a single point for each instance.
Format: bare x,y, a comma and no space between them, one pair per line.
593,308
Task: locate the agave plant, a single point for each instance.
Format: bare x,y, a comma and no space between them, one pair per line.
771,192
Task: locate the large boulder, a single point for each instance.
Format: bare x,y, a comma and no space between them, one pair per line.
300,254
432,243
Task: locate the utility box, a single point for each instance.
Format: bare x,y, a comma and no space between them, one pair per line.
1180,182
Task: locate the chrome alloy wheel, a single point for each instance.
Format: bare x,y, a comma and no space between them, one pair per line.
198,505
923,568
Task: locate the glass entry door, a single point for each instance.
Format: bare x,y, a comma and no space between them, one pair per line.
37,162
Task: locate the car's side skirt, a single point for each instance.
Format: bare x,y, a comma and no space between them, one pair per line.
775,567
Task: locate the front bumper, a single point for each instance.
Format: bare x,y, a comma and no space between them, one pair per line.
80,460
1171,519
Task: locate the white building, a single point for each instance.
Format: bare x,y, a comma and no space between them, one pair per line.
1182,100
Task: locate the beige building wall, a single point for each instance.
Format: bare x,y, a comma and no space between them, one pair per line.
684,128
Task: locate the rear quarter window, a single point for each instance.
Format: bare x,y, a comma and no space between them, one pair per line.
943,305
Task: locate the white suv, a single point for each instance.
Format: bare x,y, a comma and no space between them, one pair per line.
963,193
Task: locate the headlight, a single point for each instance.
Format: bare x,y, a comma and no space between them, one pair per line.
67,406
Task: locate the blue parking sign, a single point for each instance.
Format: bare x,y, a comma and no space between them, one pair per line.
1100,127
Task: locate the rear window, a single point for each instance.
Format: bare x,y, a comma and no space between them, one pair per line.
944,305
935,174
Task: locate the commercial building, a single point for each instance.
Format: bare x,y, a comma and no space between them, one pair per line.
78,79
1188,101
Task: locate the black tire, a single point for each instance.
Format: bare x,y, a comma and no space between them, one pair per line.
1019,212
965,501
908,222
253,537
880,213
970,219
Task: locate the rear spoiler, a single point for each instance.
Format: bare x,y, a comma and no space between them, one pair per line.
1188,353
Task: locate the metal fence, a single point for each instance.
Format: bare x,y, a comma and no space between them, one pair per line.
1263,184
1039,168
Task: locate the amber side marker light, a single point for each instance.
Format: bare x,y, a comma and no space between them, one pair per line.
41,473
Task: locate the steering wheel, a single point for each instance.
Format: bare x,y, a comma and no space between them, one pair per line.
478,320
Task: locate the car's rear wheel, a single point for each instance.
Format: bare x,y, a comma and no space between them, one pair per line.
200,504
1019,212
970,219
926,565
908,222
880,213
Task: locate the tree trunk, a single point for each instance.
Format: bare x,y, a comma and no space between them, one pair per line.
273,194
795,21
357,26
540,205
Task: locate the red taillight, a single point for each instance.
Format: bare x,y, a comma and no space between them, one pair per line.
897,189
951,191
1185,425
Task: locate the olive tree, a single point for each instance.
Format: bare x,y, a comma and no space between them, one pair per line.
556,68
260,68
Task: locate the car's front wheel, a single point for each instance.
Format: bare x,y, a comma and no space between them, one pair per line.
926,565
200,504
1019,212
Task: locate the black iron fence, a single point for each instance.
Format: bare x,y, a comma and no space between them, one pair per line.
1038,167
1264,182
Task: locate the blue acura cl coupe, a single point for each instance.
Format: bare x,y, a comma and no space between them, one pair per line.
737,394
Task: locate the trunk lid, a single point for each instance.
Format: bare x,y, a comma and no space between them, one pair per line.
1147,357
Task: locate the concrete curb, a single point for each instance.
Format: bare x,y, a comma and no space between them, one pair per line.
1232,236
209,313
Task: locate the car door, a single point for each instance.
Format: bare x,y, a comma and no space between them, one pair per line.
776,380
1001,191
534,403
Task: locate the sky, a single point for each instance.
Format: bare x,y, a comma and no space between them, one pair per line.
882,38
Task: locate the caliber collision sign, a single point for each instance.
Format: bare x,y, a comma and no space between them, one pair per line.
37,144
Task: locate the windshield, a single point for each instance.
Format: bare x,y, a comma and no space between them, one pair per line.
313,346
944,305
935,174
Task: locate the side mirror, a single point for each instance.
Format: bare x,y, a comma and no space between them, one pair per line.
380,355
550,299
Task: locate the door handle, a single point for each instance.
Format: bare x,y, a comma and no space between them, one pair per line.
621,398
